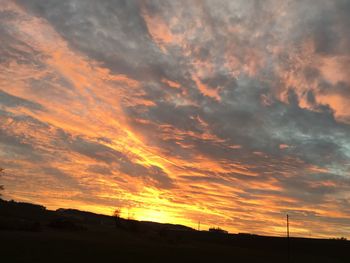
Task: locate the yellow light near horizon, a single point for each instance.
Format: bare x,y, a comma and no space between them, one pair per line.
153,215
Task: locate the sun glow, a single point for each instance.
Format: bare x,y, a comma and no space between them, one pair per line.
152,214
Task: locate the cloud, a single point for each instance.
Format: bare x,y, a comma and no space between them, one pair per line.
13,101
225,110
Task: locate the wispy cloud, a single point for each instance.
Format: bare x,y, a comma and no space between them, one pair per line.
229,112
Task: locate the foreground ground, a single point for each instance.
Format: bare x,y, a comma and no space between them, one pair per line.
29,234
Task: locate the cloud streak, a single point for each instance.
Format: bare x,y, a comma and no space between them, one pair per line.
229,112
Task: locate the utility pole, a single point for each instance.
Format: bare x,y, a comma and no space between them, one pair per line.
199,225
288,240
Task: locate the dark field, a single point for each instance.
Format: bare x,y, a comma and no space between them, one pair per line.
32,234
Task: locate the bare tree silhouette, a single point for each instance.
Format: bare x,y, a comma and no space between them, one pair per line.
1,173
116,215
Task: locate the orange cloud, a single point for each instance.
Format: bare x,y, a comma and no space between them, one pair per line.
206,91
85,149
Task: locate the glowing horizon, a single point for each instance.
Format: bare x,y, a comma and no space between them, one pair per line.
232,113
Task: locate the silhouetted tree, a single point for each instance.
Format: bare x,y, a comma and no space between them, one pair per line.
116,215
1,173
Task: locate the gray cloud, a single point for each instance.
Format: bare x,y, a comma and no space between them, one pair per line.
100,152
116,34
62,177
9,100
267,62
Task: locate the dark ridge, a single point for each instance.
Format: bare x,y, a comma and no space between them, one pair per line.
31,233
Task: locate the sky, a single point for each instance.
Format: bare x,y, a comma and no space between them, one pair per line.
231,113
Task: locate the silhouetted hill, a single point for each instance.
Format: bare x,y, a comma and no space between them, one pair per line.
31,233
19,209
27,212
92,218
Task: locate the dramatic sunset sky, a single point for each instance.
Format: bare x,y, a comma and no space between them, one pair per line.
232,112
